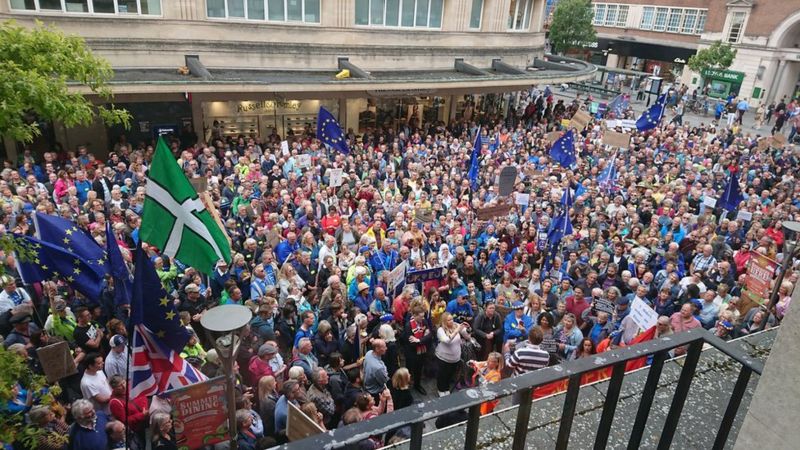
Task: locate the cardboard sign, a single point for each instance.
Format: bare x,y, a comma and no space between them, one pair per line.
299,425
616,139
491,212
397,276
643,315
437,273
778,140
552,136
710,202
424,215
284,148
199,414
747,216
508,177
764,143
200,184
760,271
549,345
580,120
336,177
603,305
303,161
522,199
56,361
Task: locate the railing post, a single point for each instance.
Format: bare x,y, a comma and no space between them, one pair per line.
416,436
523,416
610,406
681,392
646,401
473,423
733,408
570,404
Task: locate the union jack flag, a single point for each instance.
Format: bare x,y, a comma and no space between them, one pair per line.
158,336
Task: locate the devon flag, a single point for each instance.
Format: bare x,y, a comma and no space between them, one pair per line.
175,220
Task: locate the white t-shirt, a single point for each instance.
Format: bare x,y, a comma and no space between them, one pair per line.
92,385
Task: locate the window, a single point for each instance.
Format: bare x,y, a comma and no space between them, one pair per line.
393,13
701,22
622,16
611,15
674,23
122,7
661,19
599,14
689,20
737,25
475,14
647,18
519,14
307,11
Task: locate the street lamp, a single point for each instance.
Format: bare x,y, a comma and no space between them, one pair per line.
224,325
791,233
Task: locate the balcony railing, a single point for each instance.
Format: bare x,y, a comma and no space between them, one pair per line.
416,415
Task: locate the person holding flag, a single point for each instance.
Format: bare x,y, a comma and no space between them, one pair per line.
330,133
652,116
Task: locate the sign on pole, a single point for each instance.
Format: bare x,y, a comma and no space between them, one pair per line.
199,414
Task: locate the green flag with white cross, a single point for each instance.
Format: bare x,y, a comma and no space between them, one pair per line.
175,220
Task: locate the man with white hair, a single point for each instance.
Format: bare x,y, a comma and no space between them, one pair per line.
89,431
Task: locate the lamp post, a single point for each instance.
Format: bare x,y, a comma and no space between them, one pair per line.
791,232
224,325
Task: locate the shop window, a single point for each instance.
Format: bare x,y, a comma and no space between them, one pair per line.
660,23
519,14
701,22
135,7
648,13
736,27
689,21
674,20
394,13
475,14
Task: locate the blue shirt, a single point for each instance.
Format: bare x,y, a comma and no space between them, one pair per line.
84,439
284,249
461,313
281,413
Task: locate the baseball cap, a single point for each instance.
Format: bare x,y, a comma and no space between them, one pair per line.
118,340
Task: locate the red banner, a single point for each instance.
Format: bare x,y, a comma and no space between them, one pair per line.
760,272
199,414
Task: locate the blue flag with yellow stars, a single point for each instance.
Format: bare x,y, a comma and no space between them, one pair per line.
152,307
43,261
66,234
563,150
123,286
651,117
329,131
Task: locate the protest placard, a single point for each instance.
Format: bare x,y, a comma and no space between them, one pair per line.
424,215
336,177
549,344
199,414
56,361
710,202
490,212
303,161
397,276
616,139
764,143
760,271
580,120
299,425
565,122
508,176
603,305
285,148
418,276
643,315
521,198
778,140
552,136
747,216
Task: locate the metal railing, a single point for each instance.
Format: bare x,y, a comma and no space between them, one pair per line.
416,415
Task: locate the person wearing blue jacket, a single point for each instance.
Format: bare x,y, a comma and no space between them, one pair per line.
517,325
460,309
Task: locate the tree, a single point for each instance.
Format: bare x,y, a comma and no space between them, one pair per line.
572,25
38,66
717,56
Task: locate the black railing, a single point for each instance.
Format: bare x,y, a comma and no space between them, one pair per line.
416,415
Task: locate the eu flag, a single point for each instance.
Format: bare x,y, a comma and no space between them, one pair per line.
608,177
152,307
560,227
66,234
563,150
474,162
42,261
619,105
329,131
651,117
732,195
123,286
566,198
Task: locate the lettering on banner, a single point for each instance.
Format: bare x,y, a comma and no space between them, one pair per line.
418,276
603,305
643,315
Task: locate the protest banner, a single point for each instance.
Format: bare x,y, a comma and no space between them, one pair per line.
507,179
549,344
56,361
616,139
303,161
760,272
521,198
336,177
643,315
397,276
580,120
199,414
299,425
491,212
418,276
603,305
552,136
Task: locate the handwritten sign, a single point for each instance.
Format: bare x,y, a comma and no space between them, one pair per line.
285,148
603,305
418,276
643,315
521,198
616,139
397,276
336,177
56,361
710,202
490,212
747,216
549,344
303,161
199,414
580,120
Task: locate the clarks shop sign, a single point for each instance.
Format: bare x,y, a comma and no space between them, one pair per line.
725,75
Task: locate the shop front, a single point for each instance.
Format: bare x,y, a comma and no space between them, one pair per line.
722,83
262,117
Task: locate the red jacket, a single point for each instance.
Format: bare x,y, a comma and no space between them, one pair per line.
136,418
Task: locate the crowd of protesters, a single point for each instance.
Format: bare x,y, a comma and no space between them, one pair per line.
312,261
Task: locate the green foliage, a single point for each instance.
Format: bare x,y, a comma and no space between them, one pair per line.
717,56
37,67
14,369
572,25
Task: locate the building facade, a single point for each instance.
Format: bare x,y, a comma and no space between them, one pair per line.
250,66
